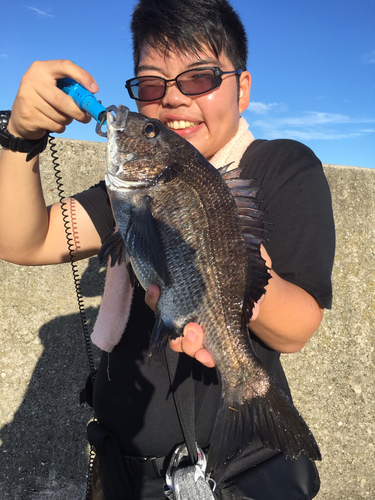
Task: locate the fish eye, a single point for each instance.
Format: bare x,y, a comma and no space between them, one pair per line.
150,131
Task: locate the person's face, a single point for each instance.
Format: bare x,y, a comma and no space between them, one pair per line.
208,121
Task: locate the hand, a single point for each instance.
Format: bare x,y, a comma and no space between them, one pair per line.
41,106
191,343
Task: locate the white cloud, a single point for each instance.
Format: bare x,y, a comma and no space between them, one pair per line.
41,13
311,125
4,56
311,135
312,118
260,108
369,58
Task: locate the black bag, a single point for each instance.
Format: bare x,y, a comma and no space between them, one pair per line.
278,478
258,473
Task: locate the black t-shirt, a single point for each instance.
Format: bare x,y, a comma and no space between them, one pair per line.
132,395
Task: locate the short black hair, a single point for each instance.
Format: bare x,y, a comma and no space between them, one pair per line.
189,26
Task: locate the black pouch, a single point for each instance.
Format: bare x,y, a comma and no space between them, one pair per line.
113,474
278,478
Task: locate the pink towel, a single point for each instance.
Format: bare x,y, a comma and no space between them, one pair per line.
114,309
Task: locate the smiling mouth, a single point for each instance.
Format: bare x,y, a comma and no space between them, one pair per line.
181,124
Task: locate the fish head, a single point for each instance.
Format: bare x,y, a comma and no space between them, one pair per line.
140,150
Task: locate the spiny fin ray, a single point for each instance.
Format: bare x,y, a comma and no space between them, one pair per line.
113,247
246,198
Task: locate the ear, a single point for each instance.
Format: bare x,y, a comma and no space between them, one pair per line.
244,94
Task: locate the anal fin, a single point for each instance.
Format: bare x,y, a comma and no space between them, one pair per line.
160,335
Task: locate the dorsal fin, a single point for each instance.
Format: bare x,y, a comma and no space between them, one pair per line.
222,170
245,194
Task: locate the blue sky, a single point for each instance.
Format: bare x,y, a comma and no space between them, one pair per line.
312,64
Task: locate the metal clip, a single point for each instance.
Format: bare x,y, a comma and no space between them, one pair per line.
188,482
103,120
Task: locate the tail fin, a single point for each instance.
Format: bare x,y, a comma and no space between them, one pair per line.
272,417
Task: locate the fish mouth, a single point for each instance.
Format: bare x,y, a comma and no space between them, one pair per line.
115,184
113,180
118,122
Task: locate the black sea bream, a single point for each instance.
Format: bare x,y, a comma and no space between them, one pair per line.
196,233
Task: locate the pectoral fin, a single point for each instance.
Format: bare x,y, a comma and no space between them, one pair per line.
142,239
113,247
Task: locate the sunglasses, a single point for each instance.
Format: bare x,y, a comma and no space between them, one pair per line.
192,82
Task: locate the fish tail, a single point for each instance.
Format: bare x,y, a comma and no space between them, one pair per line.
272,417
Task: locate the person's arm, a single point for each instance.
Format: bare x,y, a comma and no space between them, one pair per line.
31,233
288,316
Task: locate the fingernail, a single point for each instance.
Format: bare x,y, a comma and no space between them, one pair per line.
94,87
191,333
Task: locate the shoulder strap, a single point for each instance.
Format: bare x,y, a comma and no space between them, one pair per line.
184,398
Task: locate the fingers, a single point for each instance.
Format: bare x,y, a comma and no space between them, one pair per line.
256,309
40,105
152,296
191,343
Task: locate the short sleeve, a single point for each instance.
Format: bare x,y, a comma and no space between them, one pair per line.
96,202
296,199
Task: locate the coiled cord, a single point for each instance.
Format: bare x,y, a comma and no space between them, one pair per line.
73,243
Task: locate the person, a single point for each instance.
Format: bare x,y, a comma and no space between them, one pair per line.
132,395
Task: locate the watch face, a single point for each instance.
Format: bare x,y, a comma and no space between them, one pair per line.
4,119
4,134
7,140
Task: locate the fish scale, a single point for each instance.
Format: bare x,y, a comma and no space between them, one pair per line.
198,238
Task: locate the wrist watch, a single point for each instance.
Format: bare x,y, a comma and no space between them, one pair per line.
9,141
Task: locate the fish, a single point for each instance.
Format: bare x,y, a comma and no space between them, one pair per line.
195,231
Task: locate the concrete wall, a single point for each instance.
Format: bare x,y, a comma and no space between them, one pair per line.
43,362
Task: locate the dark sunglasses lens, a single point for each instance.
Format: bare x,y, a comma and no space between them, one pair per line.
148,88
193,82
196,81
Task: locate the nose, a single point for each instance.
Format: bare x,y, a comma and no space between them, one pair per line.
174,97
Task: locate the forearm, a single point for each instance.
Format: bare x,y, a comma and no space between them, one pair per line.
288,315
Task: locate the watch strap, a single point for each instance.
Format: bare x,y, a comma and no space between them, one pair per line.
9,141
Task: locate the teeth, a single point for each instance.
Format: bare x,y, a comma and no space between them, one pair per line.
116,184
181,124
